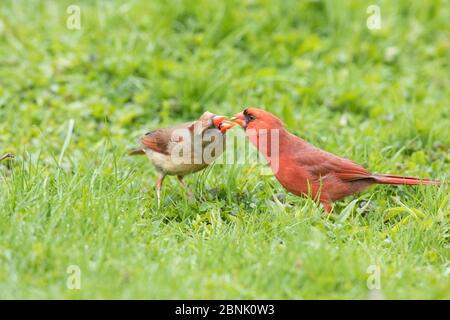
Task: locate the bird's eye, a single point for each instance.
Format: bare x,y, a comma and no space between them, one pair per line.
250,117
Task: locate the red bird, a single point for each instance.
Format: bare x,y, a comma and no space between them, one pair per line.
306,170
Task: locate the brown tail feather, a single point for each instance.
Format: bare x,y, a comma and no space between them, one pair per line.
135,152
389,179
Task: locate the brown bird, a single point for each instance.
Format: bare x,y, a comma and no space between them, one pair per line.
306,170
185,148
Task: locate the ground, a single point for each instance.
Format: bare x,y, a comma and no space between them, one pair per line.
77,212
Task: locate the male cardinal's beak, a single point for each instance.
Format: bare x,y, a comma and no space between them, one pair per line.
239,118
222,124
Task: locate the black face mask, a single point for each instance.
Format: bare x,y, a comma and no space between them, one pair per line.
248,117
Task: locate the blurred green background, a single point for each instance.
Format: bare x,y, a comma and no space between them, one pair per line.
380,97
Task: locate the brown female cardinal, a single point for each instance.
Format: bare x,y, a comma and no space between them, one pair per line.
185,148
306,170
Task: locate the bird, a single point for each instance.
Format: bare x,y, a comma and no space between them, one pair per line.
306,170
184,148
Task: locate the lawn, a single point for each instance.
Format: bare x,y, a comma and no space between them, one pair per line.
75,207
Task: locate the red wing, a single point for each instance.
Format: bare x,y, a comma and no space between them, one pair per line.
322,163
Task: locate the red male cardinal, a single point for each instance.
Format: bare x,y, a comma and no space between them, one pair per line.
185,148
306,170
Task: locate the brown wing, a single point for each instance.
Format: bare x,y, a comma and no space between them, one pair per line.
156,140
159,140
321,163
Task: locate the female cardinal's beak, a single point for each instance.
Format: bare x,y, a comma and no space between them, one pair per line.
222,124
225,125
217,120
239,118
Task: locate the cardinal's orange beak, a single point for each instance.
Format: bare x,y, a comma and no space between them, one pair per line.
239,118
225,125
217,120
222,124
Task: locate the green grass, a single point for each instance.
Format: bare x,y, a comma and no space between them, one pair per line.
380,98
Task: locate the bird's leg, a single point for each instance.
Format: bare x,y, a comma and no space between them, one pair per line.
159,183
327,206
190,194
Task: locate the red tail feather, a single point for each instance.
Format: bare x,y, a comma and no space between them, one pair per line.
389,179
